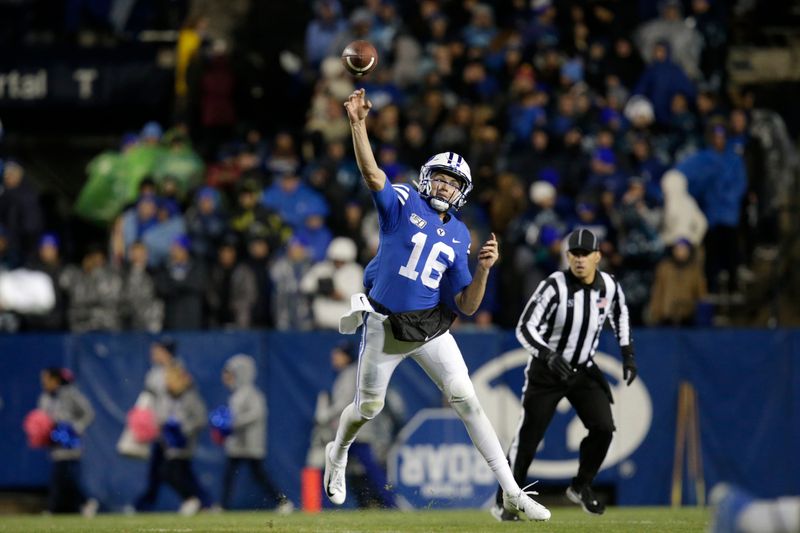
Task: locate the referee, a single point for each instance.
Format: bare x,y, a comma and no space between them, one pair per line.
561,326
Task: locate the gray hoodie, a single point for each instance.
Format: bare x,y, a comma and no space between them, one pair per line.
67,404
190,412
683,218
248,409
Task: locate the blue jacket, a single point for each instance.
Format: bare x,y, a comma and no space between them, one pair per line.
659,83
294,207
718,182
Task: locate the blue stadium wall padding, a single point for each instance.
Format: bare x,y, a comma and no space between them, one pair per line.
747,384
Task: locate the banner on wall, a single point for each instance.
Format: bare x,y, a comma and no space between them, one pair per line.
746,383
434,462
84,79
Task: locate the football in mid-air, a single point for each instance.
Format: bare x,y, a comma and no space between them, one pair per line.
359,58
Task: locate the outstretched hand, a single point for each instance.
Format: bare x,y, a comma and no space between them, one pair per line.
357,106
489,253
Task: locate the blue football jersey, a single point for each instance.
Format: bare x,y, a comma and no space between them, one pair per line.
419,254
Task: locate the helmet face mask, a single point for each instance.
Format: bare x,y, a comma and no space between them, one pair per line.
447,163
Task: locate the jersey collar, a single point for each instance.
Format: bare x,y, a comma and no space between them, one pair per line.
577,284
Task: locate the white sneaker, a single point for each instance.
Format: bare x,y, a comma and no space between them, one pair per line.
285,507
334,478
89,509
190,507
523,505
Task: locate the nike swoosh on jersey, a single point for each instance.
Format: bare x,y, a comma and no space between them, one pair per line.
456,241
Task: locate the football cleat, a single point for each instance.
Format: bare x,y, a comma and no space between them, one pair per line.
190,506
285,507
585,498
333,479
501,515
521,504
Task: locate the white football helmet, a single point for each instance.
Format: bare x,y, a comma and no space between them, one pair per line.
450,163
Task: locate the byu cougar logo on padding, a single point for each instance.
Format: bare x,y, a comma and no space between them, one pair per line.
632,410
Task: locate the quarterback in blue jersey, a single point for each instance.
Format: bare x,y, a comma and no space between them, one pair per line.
422,255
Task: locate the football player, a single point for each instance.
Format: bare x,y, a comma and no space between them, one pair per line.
420,265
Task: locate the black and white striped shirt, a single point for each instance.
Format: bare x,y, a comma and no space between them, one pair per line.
565,316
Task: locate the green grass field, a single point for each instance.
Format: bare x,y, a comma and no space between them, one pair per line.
616,520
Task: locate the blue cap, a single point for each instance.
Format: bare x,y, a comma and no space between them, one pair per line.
573,70
548,235
128,138
168,343
172,207
182,241
608,114
208,192
49,239
152,130
550,175
300,239
606,155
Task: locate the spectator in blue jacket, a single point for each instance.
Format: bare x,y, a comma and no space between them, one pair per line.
322,30
662,80
293,200
717,179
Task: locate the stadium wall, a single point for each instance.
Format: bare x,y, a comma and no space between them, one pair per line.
747,384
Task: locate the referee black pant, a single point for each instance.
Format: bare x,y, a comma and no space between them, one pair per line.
590,396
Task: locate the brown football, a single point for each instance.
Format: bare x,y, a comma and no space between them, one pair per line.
359,58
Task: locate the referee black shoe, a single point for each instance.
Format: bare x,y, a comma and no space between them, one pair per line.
585,498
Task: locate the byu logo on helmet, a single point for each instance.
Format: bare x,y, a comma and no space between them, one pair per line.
558,458
449,163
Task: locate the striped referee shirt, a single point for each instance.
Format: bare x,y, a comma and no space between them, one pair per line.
565,316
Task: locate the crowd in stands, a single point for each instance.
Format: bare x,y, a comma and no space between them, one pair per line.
603,115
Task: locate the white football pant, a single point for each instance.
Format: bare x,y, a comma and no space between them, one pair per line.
441,359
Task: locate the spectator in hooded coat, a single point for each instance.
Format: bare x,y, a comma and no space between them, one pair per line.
244,428
72,413
682,216
678,286
717,178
